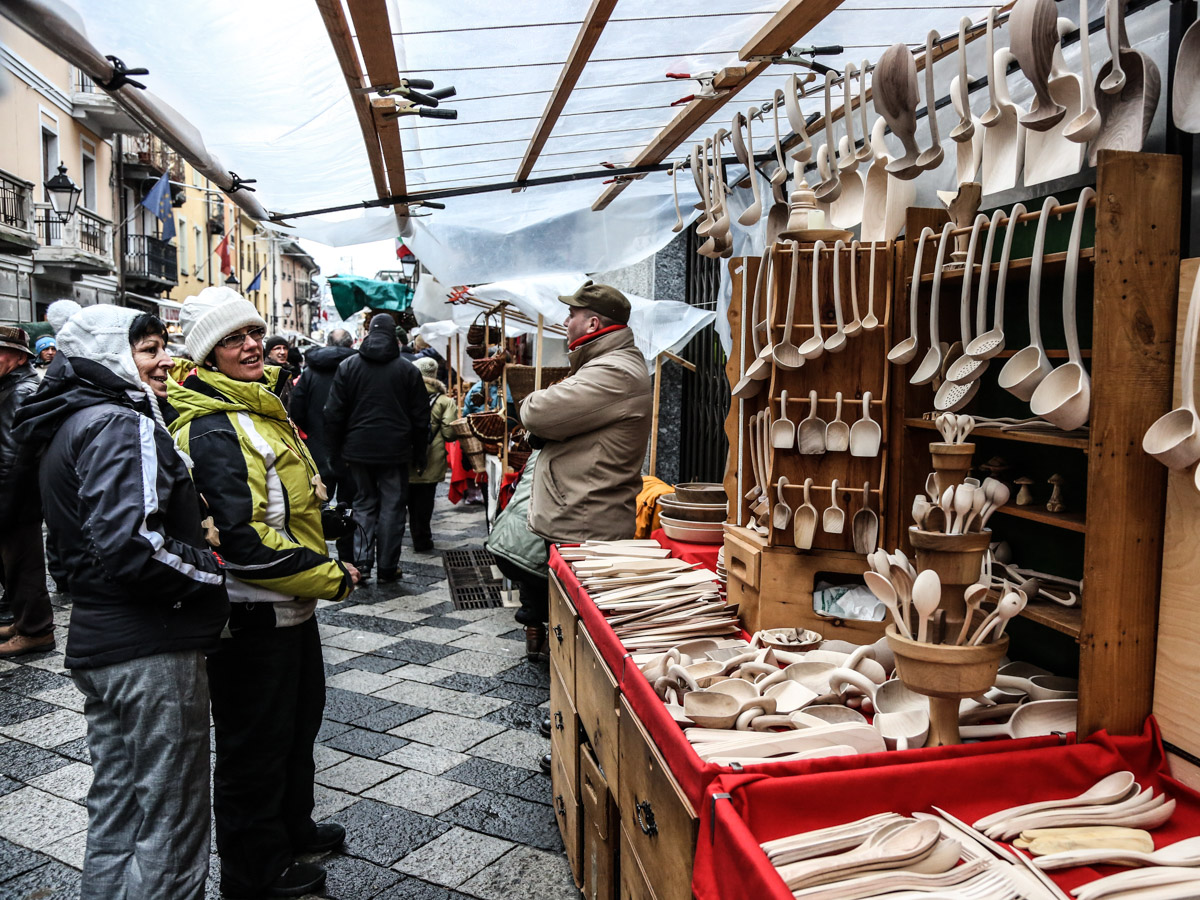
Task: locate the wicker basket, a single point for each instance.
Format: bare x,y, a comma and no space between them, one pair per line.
463,429
476,351
487,426
480,333
518,458
476,462
490,368
471,445
521,379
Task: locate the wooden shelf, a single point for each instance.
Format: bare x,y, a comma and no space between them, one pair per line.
1050,354
1068,520
1065,619
1073,440
1052,263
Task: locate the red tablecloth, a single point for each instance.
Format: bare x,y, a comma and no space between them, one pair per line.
689,770
701,554
461,478
730,862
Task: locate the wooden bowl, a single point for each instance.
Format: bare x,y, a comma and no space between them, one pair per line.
693,512
704,492
693,532
772,637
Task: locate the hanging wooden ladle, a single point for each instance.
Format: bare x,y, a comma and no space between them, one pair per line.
1024,372
965,129
803,151
831,188
932,157
931,365
1033,26
990,343
906,351
1086,125
744,151
865,153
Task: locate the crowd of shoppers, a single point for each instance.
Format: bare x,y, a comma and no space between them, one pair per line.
187,503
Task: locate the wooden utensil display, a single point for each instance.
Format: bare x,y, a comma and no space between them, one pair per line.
858,369
1051,154
1126,113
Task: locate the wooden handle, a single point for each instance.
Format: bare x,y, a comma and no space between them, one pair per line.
930,93
862,103
833,500
985,274
1114,27
1071,278
838,247
935,295
916,280
816,286
964,303
866,403
848,104
993,76
795,117
1085,59
791,304
1188,372
830,134
1035,275
1002,278
776,101
964,96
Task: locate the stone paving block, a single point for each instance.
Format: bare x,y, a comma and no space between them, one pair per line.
35,819
486,643
475,615
454,857
76,750
449,731
475,684
69,850
68,697
423,674
361,742
404,615
71,782
23,761
519,693
486,773
360,641
534,674
441,699
473,663
510,818
360,681
382,834
328,631
17,708
330,728
48,662
368,663
324,757
518,715
7,786
330,802
49,730
390,717
496,623
415,889
421,652
52,881
535,788
517,634
356,774
424,758
424,632
514,748
346,706
351,878
377,623
337,654
28,680
16,860
452,623
421,792
525,872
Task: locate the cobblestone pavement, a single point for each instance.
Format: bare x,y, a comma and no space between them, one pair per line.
428,754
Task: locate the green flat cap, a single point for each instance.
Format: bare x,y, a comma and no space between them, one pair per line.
600,298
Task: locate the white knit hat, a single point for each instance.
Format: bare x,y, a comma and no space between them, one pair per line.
211,315
427,366
99,333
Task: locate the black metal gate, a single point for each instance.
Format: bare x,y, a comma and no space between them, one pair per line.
703,446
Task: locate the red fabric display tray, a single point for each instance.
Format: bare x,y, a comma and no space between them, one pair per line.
694,775
697,554
730,863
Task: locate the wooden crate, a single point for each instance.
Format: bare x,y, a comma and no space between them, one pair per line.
656,817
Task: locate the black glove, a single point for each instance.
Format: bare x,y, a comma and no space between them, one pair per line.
337,521
535,442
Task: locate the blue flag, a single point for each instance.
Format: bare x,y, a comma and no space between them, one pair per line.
256,284
158,201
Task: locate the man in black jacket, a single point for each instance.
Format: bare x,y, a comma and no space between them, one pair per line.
377,419
307,410
21,551
148,598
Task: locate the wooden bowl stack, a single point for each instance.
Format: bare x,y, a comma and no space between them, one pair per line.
695,513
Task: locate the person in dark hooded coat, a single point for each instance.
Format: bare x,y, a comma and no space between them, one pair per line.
377,419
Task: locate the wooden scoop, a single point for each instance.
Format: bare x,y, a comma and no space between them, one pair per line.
1185,93
1050,154
1126,113
804,525
866,524
1004,138
811,431
833,520
837,432
1030,720
781,515
1033,26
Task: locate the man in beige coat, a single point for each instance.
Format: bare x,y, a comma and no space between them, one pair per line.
595,425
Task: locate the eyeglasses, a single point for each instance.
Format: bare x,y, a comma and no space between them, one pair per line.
236,340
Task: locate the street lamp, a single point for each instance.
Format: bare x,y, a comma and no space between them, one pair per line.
409,265
64,194
232,281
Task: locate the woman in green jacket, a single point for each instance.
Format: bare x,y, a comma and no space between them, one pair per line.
426,475
267,680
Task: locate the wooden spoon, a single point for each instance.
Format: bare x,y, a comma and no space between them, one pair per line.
932,157
848,158
744,151
831,188
965,129
886,594
815,345
870,323
836,342
1030,720
1086,125
1033,26
907,845
1024,372
1064,397
1111,77
931,365
895,92
854,326
804,524
779,176
1180,878
926,595
802,152
906,351
785,353
865,153
748,385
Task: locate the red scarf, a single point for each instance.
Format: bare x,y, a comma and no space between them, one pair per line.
580,341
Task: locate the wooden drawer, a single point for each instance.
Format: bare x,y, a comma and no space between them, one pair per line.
599,851
596,701
656,816
567,814
634,884
564,727
563,622
743,552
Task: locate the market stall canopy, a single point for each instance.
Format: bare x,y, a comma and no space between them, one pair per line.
352,293
279,110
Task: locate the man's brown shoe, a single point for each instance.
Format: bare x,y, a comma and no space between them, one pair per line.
7,631
537,643
20,644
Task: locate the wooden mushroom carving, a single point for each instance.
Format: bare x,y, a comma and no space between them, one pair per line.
1024,495
1055,503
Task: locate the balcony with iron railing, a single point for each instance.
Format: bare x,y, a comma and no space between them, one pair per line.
147,157
92,106
16,215
150,260
304,291
82,243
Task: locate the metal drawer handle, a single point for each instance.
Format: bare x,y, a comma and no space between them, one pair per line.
560,806
558,633
647,824
558,721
